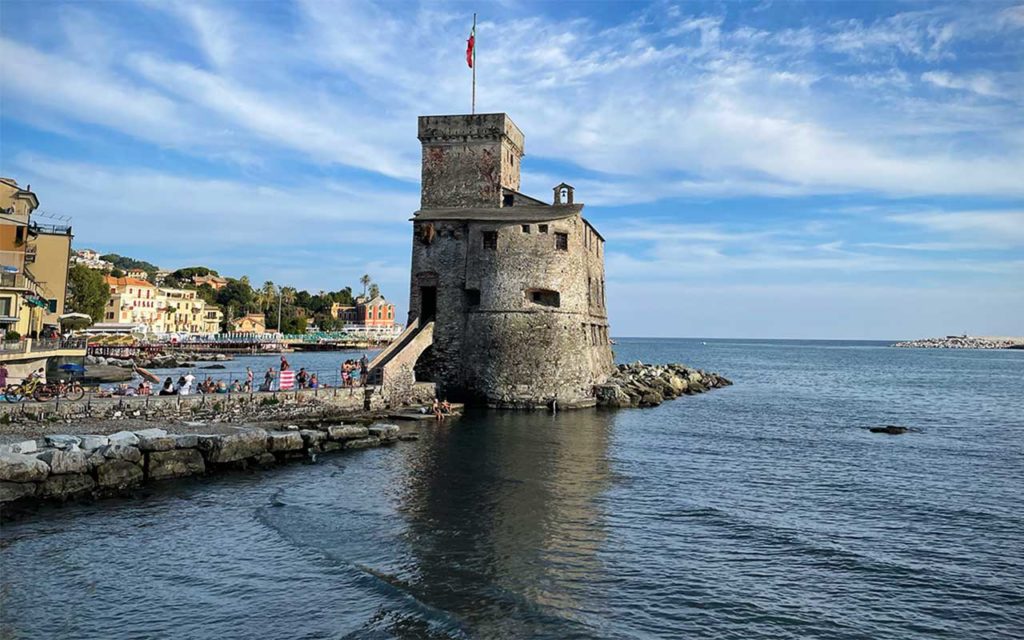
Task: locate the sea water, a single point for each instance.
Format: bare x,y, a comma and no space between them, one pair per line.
762,510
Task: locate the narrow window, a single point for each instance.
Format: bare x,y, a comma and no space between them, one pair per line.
508,200
562,241
526,228
542,228
472,297
544,297
490,239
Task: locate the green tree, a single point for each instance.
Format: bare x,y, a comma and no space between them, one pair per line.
365,281
268,296
87,292
207,293
374,291
236,294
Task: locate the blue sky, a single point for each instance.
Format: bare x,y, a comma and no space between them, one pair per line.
820,170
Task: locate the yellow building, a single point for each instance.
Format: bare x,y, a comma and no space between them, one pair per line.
33,263
53,258
133,301
250,323
186,312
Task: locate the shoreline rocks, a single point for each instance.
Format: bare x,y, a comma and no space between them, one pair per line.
648,385
167,360
72,468
963,342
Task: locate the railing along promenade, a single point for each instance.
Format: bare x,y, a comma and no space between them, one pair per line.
244,343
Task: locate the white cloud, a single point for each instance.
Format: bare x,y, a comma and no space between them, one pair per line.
981,84
640,102
1004,228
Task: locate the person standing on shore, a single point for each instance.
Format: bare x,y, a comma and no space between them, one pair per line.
364,365
268,380
186,386
248,379
3,376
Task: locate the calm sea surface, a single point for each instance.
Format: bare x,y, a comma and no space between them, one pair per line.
764,510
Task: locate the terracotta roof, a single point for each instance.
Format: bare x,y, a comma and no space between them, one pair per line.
124,282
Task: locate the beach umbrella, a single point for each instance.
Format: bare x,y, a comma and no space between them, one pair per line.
75,320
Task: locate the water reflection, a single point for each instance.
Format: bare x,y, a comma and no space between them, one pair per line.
504,520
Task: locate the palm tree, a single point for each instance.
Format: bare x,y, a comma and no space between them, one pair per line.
374,290
268,294
365,281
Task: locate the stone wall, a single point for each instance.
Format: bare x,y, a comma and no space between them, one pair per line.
220,407
467,159
521,324
66,467
492,341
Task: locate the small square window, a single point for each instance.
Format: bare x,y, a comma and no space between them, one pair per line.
542,228
490,239
526,228
562,241
508,200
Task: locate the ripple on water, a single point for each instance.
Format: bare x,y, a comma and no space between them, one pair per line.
763,510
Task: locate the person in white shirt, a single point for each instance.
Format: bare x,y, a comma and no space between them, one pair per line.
186,387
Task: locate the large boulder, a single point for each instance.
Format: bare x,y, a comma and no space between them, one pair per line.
63,442
362,443
121,452
118,475
312,437
386,432
66,486
93,442
651,399
678,384
61,462
25,446
124,437
236,446
10,491
187,441
284,441
346,432
178,463
156,442
19,467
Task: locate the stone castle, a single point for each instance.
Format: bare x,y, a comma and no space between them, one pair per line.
507,292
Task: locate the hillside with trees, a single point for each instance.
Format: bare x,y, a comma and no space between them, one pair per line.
88,293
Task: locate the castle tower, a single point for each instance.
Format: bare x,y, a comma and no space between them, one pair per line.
506,301
468,160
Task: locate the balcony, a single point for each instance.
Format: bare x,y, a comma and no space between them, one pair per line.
19,282
28,349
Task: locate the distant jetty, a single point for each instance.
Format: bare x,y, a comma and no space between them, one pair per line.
965,342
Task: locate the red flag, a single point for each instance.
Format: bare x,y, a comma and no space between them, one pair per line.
470,44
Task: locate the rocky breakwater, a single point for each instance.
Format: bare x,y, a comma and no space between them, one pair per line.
173,360
63,467
648,385
963,342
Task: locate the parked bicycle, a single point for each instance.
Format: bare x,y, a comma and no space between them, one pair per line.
43,392
69,390
18,392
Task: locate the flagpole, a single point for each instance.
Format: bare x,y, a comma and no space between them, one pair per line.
473,106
